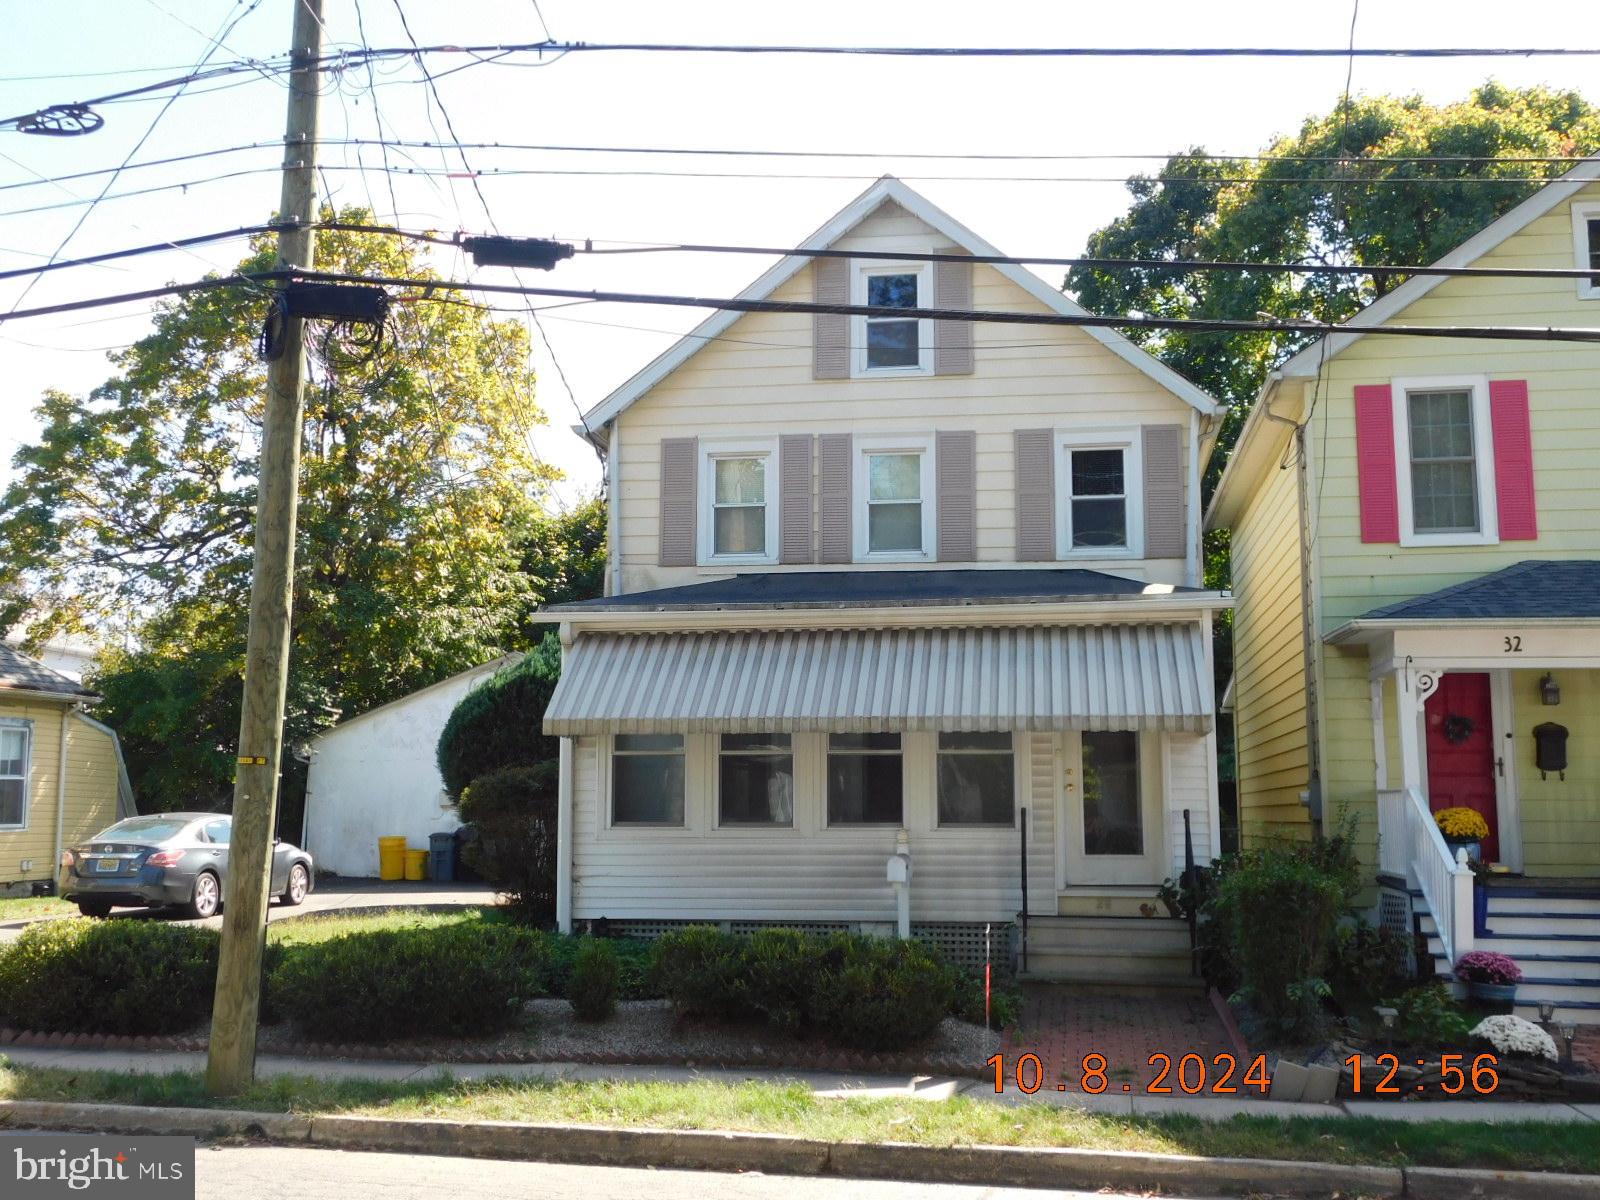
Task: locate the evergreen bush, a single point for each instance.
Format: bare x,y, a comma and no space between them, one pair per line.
593,985
498,724
514,811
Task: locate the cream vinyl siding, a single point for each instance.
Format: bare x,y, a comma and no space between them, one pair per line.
1187,775
91,797
809,872
758,382
1269,660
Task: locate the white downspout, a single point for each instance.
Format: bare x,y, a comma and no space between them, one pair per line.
564,812
61,793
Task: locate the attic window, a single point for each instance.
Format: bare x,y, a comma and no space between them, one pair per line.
1586,247
892,345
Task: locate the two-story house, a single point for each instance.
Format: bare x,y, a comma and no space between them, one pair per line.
1416,562
888,587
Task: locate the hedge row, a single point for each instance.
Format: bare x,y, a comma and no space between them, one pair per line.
472,979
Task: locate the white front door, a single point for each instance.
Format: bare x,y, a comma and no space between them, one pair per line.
1109,799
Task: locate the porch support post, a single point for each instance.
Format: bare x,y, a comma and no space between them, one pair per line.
564,839
1412,687
1380,739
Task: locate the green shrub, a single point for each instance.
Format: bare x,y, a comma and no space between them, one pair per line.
592,988
879,994
634,977
866,992
447,981
701,970
497,724
128,977
778,975
514,810
1430,1016
1366,962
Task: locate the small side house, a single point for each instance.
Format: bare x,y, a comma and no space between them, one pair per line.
376,776
62,778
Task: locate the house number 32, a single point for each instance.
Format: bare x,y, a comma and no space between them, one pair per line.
1514,644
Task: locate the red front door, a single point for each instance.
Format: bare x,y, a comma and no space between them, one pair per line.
1460,737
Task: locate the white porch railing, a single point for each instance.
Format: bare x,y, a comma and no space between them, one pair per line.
1410,844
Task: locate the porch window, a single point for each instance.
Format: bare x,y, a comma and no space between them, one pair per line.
647,779
1112,821
755,779
977,779
865,779
1444,491
15,743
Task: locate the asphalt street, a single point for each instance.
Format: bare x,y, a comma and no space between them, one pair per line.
242,1172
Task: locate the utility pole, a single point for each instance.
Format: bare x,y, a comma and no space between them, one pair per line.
235,1011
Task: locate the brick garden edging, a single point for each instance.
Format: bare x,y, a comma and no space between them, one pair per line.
795,1058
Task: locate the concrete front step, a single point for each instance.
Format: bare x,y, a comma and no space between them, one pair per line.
1146,934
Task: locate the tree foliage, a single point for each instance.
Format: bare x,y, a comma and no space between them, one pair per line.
1331,193
497,725
419,516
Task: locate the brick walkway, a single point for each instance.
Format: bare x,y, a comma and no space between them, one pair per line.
1063,1022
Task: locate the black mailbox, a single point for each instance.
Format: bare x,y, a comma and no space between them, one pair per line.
1550,748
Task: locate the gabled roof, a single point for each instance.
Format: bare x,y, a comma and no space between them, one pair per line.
885,190
1306,364
19,673
1557,191
1530,590
485,668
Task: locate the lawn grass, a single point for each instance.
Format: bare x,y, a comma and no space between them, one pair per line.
320,927
793,1109
27,908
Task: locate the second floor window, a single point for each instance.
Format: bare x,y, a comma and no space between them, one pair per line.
891,344
1586,247
1444,491
894,503
739,506
1099,493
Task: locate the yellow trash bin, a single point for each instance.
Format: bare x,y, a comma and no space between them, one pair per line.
416,864
391,858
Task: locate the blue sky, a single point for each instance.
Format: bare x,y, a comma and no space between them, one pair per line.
885,107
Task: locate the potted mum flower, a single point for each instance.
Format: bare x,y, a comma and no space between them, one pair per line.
1489,977
1463,827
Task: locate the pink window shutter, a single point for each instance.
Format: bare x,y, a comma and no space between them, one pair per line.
1513,460
1375,463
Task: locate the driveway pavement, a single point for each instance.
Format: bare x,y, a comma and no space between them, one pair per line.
332,894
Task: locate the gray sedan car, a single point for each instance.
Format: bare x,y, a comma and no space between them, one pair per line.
169,859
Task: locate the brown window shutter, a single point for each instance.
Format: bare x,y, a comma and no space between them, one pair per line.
830,332
794,498
1036,495
678,517
955,465
1163,492
833,498
952,340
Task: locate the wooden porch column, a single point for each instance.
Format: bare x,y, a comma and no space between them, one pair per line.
1413,685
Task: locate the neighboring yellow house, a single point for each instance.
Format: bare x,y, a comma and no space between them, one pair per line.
62,778
1416,557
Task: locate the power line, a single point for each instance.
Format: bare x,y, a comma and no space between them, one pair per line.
426,286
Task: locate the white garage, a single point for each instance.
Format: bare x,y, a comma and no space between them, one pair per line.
375,776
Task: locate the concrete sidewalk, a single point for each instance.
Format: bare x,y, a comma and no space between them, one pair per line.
921,1087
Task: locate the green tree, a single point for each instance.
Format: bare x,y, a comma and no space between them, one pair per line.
1331,193
420,493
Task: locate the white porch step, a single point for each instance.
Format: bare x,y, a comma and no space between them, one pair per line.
1543,924
1511,903
1517,947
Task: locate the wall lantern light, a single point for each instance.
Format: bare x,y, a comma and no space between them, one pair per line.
1549,689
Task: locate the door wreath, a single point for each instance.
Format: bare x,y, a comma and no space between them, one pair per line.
1457,729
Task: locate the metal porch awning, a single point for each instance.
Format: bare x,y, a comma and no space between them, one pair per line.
1144,676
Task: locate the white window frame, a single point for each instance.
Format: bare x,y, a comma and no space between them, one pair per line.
26,728
711,450
1488,531
858,324
1582,214
865,448
1128,439
1019,799
716,752
903,754
691,751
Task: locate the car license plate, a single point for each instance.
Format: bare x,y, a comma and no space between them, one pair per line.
107,864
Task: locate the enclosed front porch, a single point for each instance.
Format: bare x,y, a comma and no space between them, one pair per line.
778,777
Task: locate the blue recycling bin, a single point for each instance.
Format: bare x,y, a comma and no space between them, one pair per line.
442,857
